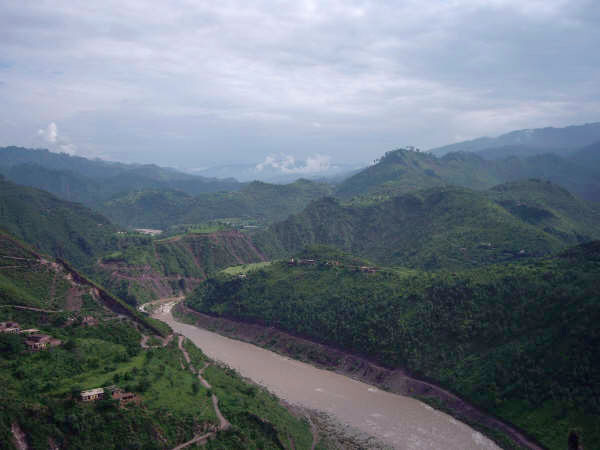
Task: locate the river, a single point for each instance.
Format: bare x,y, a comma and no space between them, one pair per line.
400,422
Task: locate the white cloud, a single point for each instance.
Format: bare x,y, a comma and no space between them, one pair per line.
287,164
50,133
58,143
216,82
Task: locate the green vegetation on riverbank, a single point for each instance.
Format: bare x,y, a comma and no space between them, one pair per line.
518,340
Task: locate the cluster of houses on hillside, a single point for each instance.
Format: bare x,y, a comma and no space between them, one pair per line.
34,340
115,392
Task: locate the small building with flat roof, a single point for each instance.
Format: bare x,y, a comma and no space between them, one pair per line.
92,394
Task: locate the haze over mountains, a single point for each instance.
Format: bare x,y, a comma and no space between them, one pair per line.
528,142
461,244
403,193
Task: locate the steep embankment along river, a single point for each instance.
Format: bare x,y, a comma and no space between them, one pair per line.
399,421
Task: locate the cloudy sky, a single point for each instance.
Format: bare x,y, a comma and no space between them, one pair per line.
187,83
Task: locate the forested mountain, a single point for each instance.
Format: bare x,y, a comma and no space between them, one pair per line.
527,142
258,201
97,341
91,181
401,171
519,340
443,226
58,227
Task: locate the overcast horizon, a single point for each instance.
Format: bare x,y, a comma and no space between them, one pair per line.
190,84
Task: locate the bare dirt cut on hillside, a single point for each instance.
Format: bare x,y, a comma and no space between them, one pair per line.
206,252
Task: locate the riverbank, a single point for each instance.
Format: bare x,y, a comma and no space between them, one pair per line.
398,421
396,381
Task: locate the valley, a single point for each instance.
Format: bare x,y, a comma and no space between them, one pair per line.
451,301
397,421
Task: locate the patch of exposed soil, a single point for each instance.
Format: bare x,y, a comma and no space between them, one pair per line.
234,248
73,301
393,380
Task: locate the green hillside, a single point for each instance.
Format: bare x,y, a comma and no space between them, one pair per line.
519,340
442,227
402,171
60,228
258,201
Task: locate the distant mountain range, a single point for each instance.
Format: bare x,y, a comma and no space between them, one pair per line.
275,173
529,142
93,181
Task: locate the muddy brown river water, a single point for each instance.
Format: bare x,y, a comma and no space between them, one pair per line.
398,421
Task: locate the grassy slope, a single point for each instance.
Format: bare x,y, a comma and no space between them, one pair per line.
30,279
518,340
444,226
36,392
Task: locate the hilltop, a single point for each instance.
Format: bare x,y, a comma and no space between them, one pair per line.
504,337
402,171
443,227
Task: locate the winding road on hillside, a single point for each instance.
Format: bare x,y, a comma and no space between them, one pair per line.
223,422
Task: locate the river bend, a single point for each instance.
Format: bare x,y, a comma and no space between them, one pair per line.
400,422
